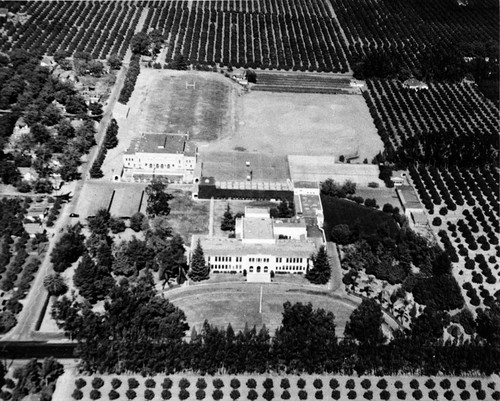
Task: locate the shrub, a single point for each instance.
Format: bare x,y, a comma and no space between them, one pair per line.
268,394
334,384
385,395
481,394
149,394
318,383
150,383
80,383
417,394
131,394
235,394
382,384
285,395
268,383
95,394
77,394
401,395
116,383
218,383
301,383
448,394
113,395
336,394
465,395
251,383
166,395
9,383
184,394
285,383
133,383
97,382
302,394
235,383
352,395
184,383
414,384
200,394
366,384
368,395
350,384
476,385
430,383
167,383
445,384
252,395
318,395
201,383
433,395
217,394
495,395
461,384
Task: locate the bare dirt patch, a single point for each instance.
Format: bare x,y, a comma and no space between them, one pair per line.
293,123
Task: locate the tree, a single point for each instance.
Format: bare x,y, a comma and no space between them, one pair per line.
179,62
349,187
199,269
93,282
341,234
55,284
227,220
321,271
428,327
117,225
158,199
306,339
137,221
488,323
114,62
365,324
99,224
140,43
68,249
172,260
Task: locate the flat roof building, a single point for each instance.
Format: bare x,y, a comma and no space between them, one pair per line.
171,156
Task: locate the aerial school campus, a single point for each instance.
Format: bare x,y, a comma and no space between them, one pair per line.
235,199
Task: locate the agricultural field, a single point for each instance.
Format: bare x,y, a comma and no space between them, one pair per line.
268,387
464,207
99,28
258,34
456,114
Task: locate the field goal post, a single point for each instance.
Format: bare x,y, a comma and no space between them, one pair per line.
191,85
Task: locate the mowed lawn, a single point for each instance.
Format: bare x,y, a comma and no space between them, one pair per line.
238,303
342,211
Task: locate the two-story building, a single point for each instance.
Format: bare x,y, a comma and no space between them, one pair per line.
171,156
262,247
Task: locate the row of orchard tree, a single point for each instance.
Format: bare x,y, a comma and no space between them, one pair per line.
139,330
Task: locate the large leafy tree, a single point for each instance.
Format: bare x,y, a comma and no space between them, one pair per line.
93,282
365,324
199,269
428,327
137,328
172,260
158,199
321,271
68,249
99,224
306,340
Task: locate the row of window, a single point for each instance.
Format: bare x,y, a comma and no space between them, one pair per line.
265,260
258,269
253,260
226,258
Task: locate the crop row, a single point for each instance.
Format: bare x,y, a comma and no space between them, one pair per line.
405,117
372,25
268,34
100,28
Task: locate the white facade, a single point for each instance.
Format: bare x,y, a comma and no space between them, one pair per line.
161,155
260,250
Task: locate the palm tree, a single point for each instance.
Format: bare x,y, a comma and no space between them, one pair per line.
55,284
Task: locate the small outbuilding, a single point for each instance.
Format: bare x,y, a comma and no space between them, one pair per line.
415,84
